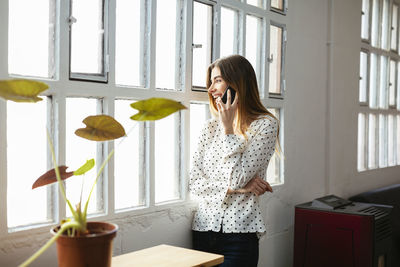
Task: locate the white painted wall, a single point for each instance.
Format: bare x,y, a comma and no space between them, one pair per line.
320,131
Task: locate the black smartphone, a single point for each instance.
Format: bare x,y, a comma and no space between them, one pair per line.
225,96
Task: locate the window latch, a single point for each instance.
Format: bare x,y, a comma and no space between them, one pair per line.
197,45
71,20
271,58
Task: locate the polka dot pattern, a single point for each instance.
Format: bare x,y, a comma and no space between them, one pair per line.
222,161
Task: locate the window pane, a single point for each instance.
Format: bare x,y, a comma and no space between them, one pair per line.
375,23
363,77
372,141
361,164
392,83
165,44
253,43
87,35
373,82
385,25
28,21
391,141
78,151
273,170
382,140
394,29
277,4
26,128
229,24
128,176
166,155
199,113
384,85
258,3
275,67
128,47
365,20
202,36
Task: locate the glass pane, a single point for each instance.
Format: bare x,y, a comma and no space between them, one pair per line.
28,21
87,35
128,67
372,141
397,94
199,113
394,29
363,77
229,24
258,3
384,85
202,36
382,140
273,170
375,23
166,156
26,128
275,67
361,164
373,81
253,43
277,4
392,83
78,151
128,177
385,25
391,141
365,20
165,44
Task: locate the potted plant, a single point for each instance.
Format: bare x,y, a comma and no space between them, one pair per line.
79,242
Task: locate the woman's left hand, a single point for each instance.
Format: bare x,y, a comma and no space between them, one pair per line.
227,112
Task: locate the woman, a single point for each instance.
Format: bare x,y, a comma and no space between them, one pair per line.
230,163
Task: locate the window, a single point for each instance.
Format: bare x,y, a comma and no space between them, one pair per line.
276,47
253,43
35,21
229,33
26,128
89,56
363,86
278,6
365,20
141,49
129,44
379,87
202,37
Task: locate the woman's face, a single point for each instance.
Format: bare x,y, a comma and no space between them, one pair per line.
218,84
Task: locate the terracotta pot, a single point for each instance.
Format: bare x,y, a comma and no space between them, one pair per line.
92,250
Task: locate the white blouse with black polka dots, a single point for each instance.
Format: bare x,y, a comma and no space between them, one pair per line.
223,161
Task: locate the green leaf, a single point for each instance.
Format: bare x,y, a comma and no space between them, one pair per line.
85,167
50,177
101,128
22,90
155,108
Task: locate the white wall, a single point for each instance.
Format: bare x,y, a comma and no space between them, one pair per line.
322,64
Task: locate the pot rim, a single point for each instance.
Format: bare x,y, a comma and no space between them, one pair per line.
114,229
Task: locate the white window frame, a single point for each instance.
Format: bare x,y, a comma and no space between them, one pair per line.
104,88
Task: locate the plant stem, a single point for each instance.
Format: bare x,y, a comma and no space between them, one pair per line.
63,228
60,182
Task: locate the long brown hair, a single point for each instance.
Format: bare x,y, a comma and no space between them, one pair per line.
239,74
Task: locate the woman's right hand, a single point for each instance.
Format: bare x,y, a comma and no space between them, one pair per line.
227,112
257,186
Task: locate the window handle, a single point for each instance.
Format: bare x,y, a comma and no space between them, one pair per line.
197,45
71,20
271,58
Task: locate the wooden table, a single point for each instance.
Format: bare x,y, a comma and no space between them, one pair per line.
165,256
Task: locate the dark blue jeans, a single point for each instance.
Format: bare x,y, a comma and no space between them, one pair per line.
239,249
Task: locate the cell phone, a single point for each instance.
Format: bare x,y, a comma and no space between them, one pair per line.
225,96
